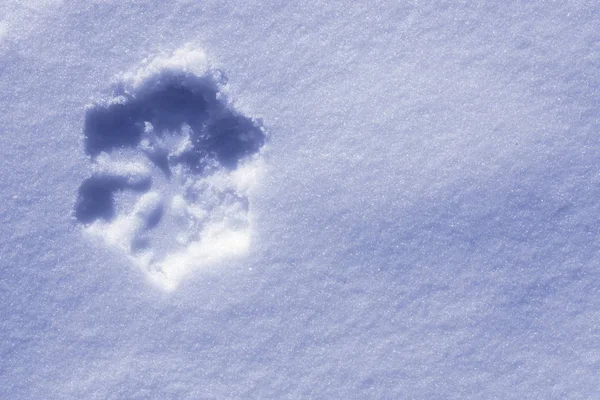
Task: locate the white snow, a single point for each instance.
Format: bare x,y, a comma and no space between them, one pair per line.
264,199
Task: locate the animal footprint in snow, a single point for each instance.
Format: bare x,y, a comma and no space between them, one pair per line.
173,164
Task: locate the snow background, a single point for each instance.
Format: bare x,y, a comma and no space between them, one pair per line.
426,225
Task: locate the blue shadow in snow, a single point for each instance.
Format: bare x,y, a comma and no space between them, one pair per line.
168,101
95,196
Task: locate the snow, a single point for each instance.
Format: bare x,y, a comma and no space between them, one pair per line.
178,200
407,208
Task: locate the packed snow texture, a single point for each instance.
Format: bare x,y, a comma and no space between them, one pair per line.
406,206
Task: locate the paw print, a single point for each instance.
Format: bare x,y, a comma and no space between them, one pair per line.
172,167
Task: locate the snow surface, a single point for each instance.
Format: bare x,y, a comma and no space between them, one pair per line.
407,206
170,117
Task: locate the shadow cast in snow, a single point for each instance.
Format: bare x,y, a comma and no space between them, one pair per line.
95,196
161,111
168,102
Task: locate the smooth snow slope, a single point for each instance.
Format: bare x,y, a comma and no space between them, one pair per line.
425,224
